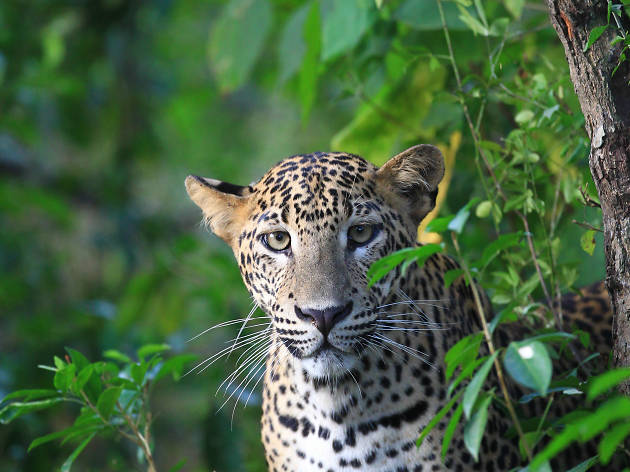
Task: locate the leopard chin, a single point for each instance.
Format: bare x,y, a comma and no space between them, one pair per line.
329,363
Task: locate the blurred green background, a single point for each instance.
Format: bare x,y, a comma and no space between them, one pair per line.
106,106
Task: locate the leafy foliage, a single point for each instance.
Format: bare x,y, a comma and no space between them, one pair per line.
113,398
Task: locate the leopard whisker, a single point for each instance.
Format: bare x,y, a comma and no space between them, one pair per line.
258,351
410,330
215,357
409,350
224,324
378,343
430,302
247,318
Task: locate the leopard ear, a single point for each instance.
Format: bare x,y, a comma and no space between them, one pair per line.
414,175
223,204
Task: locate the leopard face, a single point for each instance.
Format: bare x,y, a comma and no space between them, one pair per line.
305,235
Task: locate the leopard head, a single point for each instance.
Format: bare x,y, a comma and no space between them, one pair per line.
305,235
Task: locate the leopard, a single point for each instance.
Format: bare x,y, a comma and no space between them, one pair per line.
355,369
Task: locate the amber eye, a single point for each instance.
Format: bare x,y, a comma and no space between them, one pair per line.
277,240
360,234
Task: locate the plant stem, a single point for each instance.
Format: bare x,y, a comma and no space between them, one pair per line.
142,440
491,349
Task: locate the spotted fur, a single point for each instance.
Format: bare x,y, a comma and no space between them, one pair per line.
356,395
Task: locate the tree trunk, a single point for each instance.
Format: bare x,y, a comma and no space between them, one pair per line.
605,102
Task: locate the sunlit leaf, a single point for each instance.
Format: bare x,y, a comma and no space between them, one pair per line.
458,222
585,427
604,382
462,353
383,266
611,440
150,349
587,241
529,364
515,7
117,356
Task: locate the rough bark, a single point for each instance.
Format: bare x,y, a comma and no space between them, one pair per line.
605,102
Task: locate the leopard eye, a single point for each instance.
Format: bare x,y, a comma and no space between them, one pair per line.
360,235
277,240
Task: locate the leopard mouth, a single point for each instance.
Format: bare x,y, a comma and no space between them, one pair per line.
325,348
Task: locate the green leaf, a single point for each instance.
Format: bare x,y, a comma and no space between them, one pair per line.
604,382
64,377
117,356
107,401
138,372
483,209
437,418
493,249
237,39
611,439
450,429
587,241
30,394
585,427
528,363
466,372
462,353
457,223
473,388
515,7
594,36
473,23
524,116
83,377
178,466
343,25
291,46
74,429
451,275
474,429
556,336
78,359
439,225
150,349
17,409
383,266
174,365
67,465
309,73
584,466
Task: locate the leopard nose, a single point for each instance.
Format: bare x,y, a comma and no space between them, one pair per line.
325,319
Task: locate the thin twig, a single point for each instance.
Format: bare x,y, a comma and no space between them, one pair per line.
142,440
586,225
521,216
